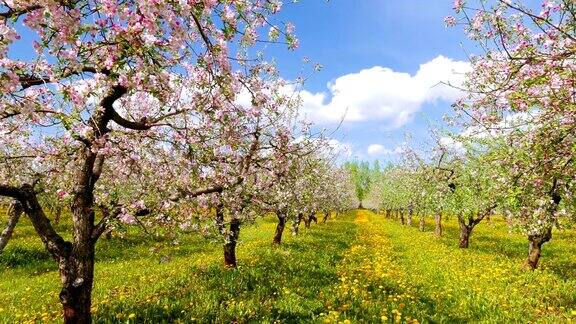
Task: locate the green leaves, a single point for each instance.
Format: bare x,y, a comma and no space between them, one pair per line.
363,177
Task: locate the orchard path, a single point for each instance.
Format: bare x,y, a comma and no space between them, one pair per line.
393,272
358,267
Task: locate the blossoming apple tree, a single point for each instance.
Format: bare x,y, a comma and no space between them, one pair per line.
100,78
522,88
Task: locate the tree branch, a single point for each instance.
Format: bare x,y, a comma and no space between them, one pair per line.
141,125
103,223
26,195
11,191
15,13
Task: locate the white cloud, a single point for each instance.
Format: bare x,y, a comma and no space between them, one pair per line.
452,145
340,148
379,93
377,149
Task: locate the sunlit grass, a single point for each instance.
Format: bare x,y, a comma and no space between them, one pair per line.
398,273
142,279
359,267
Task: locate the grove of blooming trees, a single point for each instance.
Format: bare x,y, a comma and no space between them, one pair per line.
516,155
152,113
524,91
362,177
168,114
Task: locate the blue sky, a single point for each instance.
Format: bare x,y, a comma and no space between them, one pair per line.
382,60
389,40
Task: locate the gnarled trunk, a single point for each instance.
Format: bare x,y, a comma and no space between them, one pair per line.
537,239
311,218
409,215
76,258
77,276
535,248
279,228
296,224
401,215
326,217
465,231
14,212
314,218
77,264
438,223
467,226
230,245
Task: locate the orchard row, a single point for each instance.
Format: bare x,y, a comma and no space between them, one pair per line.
514,151
154,114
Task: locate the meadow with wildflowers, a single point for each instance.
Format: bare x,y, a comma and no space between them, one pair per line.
358,267
144,142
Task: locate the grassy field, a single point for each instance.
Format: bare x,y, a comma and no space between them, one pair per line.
359,268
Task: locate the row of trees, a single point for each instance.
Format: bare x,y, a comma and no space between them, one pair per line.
363,176
156,113
517,154
469,185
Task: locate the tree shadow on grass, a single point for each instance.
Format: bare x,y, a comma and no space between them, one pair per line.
502,246
559,259
557,255
27,258
35,259
274,283
481,242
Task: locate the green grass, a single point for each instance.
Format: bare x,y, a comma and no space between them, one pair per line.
160,282
359,267
398,273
